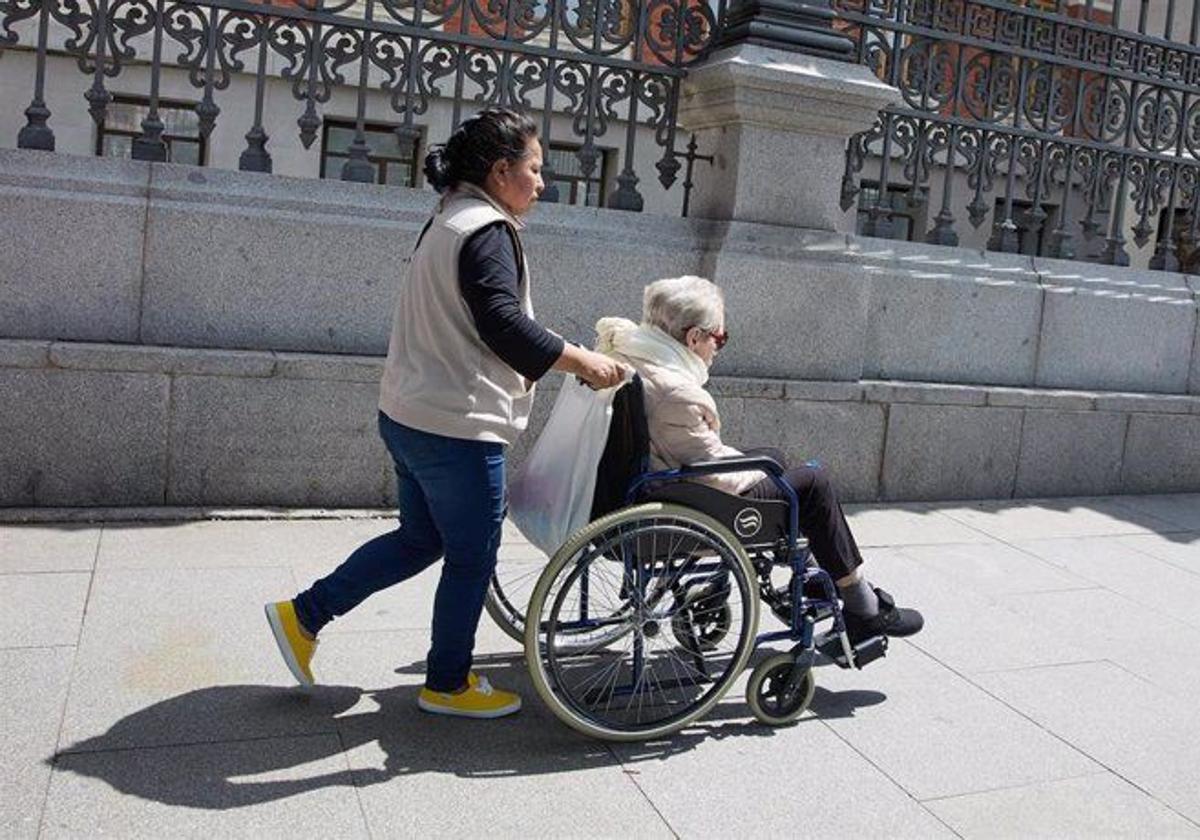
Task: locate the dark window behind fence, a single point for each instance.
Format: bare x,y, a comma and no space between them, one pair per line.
574,186
122,125
899,223
393,156
1067,131
603,66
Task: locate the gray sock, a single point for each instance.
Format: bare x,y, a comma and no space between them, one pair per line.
859,599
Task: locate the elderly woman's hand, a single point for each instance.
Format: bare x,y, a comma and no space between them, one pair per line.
594,368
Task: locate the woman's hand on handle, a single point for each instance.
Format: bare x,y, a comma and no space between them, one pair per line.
594,368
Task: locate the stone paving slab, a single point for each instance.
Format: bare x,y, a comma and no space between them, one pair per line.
416,771
911,524
1181,549
59,598
802,781
1088,807
1157,585
1109,626
967,629
1182,510
182,721
48,548
1047,518
199,545
526,775
936,734
274,787
166,658
32,694
994,569
1148,737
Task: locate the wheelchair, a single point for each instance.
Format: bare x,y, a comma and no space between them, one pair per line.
643,620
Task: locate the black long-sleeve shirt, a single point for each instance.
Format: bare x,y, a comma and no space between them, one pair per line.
488,278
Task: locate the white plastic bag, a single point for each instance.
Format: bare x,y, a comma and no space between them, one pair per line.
550,496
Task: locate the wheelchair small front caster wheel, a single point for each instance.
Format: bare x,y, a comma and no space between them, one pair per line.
703,619
772,695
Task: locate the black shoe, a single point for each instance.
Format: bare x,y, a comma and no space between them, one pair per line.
890,621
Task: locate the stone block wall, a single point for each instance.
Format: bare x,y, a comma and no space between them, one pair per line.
111,425
100,250
183,336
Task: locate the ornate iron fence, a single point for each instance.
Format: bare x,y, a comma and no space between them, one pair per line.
1046,105
594,62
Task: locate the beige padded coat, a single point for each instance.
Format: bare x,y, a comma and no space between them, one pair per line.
682,416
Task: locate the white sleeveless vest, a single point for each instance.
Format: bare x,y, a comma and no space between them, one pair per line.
440,377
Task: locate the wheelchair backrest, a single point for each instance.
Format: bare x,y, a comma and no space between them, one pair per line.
757,523
626,450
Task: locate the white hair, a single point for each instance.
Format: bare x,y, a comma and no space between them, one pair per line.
674,304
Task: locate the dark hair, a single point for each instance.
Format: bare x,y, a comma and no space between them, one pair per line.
491,135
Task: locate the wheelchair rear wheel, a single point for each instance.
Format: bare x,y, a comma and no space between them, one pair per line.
603,653
508,595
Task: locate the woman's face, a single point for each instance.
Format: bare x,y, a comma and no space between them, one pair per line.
516,184
706,343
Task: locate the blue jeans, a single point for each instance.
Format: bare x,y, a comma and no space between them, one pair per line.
451,505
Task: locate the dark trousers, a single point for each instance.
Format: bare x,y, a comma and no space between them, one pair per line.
451,509
821,519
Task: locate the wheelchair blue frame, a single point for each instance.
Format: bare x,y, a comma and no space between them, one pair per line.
802,624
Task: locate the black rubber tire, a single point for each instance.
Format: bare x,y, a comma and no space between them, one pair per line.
764,687
559,564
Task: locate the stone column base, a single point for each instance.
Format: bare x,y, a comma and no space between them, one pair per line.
777,123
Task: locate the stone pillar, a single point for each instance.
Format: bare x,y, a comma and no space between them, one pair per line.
777,122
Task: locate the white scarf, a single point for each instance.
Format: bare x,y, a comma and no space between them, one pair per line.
648,343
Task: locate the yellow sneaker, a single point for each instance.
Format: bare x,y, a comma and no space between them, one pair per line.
480,700
296,647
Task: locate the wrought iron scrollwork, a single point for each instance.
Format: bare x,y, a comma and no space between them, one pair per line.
591,63
1074,130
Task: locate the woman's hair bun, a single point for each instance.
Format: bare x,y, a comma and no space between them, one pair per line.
437,169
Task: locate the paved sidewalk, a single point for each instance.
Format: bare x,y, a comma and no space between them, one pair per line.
1052,693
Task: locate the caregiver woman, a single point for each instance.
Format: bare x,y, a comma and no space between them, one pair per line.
456,392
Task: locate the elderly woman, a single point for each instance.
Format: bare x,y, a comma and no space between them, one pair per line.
682,330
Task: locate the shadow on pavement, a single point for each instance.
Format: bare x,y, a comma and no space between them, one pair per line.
208,748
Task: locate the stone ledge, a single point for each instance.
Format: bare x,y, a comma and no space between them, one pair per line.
924,393
1148,404
21,353
1177,297
1056,274
173,513
221,427
170,360
819,391
256,193
1041,398
334,367
129,358
106,179
736,386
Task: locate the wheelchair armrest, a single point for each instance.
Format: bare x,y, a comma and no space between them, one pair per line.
760,463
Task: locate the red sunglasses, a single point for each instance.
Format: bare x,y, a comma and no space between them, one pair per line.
720,337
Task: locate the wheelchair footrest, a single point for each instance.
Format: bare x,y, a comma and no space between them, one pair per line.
864,652
867,652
